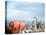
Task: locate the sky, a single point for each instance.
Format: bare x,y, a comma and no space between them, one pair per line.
24,11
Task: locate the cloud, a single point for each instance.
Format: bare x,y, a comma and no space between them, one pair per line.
24,11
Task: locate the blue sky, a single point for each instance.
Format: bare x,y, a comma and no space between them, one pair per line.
24,10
